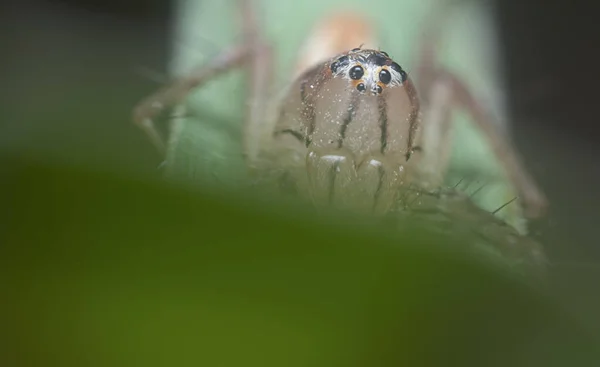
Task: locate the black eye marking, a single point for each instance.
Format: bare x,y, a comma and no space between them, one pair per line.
361,87
337,63
334,66
399,70
414,149
385,76
385,53
357,72
404,76
396,67
303,90
378,59
379,89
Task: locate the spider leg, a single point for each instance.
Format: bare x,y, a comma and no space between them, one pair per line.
175,92
436,105
434,136
440,92
252,52
533,199
447,92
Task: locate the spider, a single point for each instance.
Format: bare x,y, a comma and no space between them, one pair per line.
352,128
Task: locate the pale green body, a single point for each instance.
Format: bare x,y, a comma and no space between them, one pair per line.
205,147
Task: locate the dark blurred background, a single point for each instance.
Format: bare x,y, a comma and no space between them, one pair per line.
551,57
62,59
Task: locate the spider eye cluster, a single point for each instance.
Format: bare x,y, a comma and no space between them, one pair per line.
370,69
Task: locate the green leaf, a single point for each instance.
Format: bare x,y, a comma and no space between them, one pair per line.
98,270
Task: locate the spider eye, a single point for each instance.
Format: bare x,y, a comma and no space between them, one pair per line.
361,87
378,60
404,76
384,76
399,70
356,49
339,62
357,72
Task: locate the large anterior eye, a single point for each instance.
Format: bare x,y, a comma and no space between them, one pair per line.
357,72
384,76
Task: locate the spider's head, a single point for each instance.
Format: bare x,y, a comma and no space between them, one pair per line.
368,70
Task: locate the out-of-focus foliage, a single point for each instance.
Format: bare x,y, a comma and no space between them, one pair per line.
101,271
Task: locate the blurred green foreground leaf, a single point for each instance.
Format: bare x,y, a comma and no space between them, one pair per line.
104,271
